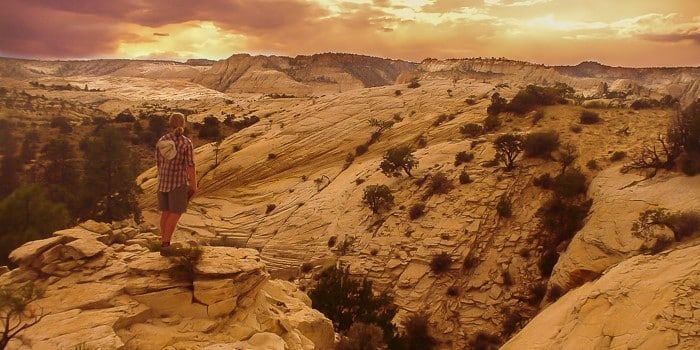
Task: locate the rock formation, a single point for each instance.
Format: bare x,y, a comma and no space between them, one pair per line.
104,289
645,302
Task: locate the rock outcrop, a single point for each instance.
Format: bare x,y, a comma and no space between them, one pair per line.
607,237
645,302
104,289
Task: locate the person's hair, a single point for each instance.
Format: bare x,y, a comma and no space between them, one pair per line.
177,123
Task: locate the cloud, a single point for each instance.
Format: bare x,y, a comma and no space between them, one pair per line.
161,34
444,6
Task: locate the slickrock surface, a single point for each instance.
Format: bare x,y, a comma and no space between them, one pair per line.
645,302
105,290
607,237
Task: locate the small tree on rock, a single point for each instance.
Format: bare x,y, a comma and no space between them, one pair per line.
15,315
397,159
508,148
378,197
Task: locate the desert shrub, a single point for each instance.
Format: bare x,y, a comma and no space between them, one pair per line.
589,117
442,118
16,314
332,241
398,118
576,129
543,181
378,197
361,149
346,301
485,341
123,117
362,336
397,159
417,333
469,262
689,165
306,267
547,261
512,322
567,156
570,183
210,129
270,207
504,208
185,259
397,93
541,143
414,84
359,181
453,291
533,96
417,210
561,219
683,224
464,177
592,165
498,105
537,293
471,130
439,184
422,141
242,123
470,101
508,147
62,124
463,157
440,263
539,115
618,156
491,123
555,293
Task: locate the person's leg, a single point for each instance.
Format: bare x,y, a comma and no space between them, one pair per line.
170,225
163,220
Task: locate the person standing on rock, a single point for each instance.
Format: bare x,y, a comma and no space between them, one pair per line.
177,179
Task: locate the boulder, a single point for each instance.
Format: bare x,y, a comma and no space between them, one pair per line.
645,302
28,252
607,237
87,248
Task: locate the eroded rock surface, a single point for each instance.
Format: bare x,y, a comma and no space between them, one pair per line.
607,237
645,302
123,296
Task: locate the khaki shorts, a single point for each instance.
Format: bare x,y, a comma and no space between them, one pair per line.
174,201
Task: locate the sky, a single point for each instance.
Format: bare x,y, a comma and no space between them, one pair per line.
637,33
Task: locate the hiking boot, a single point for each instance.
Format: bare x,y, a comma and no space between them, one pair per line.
165,251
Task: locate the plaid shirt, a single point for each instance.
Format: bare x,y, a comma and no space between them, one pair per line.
173,173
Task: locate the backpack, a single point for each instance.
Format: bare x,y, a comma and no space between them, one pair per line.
167,149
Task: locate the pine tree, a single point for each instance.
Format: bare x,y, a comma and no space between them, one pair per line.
110,169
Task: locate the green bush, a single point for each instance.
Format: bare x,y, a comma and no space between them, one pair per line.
471,130
464,177
417,333
398,159
28,214
362,336
346,301
534,96
210,129
589,117
440,184
185,259
543,181
504,208
378,197
508,147
361,149
541,143
618,156
417,210
561,219
440,263
570,183
498,105
491,123
463,157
